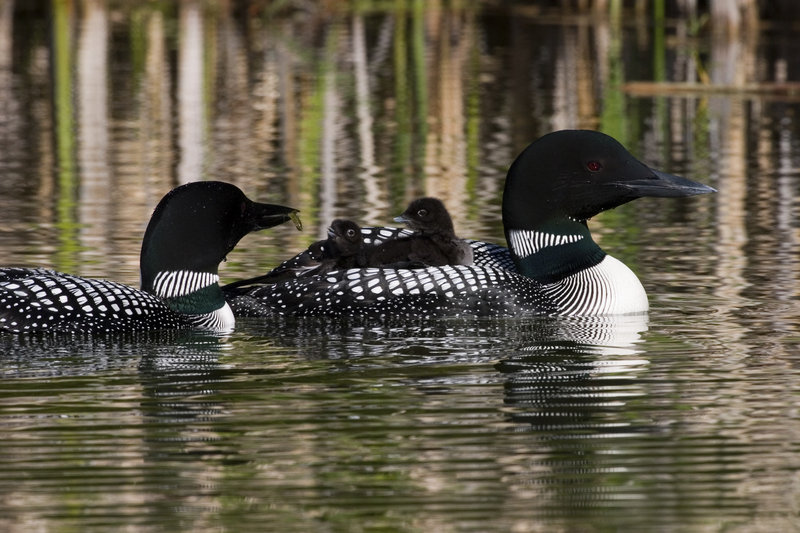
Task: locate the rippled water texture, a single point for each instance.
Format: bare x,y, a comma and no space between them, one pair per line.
683,420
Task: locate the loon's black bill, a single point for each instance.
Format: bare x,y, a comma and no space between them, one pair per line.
400,219
663,185
269,215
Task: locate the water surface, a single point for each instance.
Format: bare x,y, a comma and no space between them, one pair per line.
684,419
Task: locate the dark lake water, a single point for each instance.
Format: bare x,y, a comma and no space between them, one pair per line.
686,419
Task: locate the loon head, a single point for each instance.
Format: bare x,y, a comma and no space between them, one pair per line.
560,181
191,231
427,215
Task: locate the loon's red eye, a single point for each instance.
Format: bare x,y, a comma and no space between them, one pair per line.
594,166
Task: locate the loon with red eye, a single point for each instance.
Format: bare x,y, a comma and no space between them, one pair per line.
552,266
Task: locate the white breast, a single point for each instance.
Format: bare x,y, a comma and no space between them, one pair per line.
221,320
608,288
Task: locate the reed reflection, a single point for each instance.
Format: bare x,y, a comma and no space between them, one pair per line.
150,156
93,139
11,120
191,93
354,116
374,192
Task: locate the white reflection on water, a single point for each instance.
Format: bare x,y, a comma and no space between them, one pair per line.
587,361
605,335
368,169
94,143
191,101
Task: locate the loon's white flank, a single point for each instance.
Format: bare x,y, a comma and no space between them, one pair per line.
608,288
221,320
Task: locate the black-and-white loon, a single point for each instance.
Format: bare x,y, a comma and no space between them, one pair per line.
191,231
552,265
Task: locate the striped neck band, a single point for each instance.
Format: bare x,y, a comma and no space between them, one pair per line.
528,242
175,283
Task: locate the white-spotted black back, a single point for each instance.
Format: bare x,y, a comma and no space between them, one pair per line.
377,235
452,290
485,254
45,300
490,255
489,287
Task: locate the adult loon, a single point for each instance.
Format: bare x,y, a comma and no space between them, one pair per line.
191,231
552,266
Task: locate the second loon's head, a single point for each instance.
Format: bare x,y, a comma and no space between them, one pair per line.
191,231
560,181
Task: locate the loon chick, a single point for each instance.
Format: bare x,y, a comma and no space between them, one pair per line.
553,266
433,243
191,231
341,250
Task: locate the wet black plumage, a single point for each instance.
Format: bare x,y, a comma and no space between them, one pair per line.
191,231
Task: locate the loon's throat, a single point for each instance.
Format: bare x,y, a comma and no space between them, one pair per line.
548,256
189,292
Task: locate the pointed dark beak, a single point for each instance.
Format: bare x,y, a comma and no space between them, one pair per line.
268,215
400,219
663,185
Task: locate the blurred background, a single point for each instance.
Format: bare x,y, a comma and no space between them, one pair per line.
353,108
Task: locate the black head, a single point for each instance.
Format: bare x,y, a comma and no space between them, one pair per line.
427,215
196,225
576,174
346,234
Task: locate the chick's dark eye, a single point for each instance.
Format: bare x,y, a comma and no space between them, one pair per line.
351,233
594,166
422,212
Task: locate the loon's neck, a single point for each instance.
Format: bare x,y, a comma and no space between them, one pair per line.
197,295
579,277
552,252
